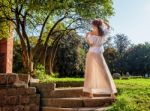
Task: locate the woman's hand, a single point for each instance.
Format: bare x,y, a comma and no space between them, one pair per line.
90,42
105,23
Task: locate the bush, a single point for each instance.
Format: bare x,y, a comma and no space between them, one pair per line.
42,75
40,72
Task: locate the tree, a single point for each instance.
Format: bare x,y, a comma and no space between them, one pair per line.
4,26
17,58
70,57
31,17
109,43
111,57
122,44
138,59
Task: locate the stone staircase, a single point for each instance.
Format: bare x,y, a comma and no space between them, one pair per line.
70,99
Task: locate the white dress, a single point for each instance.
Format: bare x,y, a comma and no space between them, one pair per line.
98,79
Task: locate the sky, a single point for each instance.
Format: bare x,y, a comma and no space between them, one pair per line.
132,18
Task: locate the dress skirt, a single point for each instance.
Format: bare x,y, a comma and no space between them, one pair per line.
98,79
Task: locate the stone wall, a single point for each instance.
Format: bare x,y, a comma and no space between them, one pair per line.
17,98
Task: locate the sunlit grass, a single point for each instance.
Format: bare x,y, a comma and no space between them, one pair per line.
133,95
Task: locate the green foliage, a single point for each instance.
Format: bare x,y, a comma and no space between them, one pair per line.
38,10
17,58
111,57
70,57
122,43
40,72
42,18
115,53
4,30
139,57
4,24
121,55
42,75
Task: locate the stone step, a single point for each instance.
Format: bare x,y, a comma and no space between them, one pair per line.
75,109
67,93
43,87
77,102
69,84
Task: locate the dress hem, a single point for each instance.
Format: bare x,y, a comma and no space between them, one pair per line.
99,91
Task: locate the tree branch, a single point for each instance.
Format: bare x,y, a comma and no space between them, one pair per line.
51,30
41,33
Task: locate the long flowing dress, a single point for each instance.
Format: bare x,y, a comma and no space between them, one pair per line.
98,79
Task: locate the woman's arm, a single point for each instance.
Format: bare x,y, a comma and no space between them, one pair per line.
108,26
88,40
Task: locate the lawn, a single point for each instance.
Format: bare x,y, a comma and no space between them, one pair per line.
133,94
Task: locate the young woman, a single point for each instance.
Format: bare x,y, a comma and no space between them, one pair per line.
98,79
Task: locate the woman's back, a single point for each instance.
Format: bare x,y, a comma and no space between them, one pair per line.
96,43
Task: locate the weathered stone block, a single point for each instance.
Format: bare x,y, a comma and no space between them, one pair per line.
12,100
41,87
24,100
27,108
21,91
6,108
98,102
11,78
34,107
30,90
20,84
34,80
2,100
3,92
11,91
35,99
3,79
24,77
19,108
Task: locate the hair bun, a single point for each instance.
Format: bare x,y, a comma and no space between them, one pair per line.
97,22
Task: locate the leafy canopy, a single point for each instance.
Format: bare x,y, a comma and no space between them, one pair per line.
38,10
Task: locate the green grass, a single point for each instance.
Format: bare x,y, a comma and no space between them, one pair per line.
66,79
133,95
